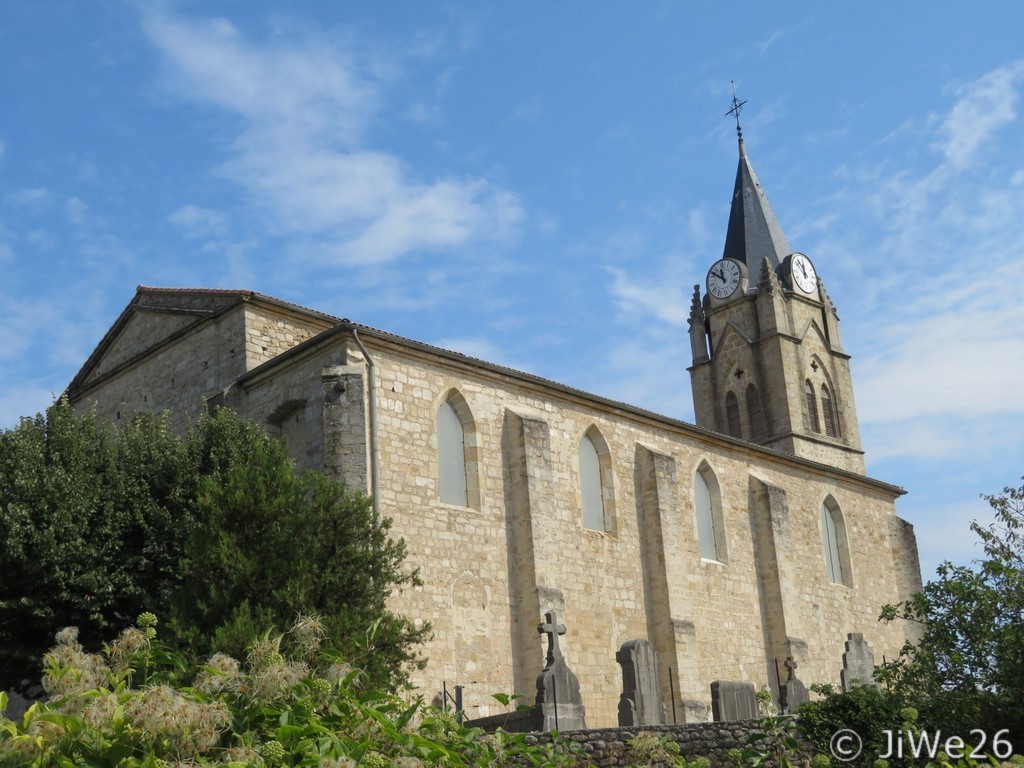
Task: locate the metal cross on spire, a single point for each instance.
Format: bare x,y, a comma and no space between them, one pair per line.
737,107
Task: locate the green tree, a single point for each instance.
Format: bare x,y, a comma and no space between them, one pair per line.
268,543
91,527
214,530
968,669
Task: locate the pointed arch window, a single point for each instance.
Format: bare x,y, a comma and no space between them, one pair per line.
710,527
732,415
828,413
755,415
451,456
595,482
812,407
834,544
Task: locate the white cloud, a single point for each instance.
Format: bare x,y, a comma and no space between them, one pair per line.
43,239
984,106
305,104
6,254
76,210
939,362
310,88
663,299
199,222
938,342
442,215
762,46
26,198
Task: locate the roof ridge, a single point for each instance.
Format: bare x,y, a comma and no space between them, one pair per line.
239,292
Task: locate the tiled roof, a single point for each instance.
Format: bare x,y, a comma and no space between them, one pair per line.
754,233
346,325
239,292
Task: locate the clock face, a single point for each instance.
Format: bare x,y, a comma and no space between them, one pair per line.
803,273
723,278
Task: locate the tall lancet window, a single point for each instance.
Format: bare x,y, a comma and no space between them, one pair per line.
591,485
812,407
710,528
451,456
834,544
732,415
828,413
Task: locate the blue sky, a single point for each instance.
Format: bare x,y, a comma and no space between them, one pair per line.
539,185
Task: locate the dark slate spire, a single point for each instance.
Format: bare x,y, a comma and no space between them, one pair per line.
754,233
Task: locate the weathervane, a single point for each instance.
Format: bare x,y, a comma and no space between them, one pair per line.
737,107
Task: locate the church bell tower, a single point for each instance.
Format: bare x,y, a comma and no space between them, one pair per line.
768,362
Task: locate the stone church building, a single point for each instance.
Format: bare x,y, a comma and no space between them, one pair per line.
731,545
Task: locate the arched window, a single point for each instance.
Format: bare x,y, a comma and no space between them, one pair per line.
732,415
591,485
755,415
710,529
451,456
828,413
812,407
834,544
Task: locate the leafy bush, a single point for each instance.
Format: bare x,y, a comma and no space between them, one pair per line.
652,749
214,530
866,710
289,703
775,741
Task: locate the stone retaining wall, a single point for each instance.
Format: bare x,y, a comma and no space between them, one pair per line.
607,747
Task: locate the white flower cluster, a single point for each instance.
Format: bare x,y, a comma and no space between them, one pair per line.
69,670
128,644
188,727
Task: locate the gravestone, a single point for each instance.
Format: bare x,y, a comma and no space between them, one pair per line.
558,690
641,702
858,662
793,692
733,701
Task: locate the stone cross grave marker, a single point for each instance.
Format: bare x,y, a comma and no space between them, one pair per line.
858,662
641,702
793,692
552,629
733,701
558,690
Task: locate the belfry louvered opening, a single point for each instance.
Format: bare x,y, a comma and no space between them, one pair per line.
732,415
828,413
812,407
755,414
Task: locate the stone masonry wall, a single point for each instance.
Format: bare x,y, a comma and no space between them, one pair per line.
479,598
202,363
608,747
490,567
270,331
180,378
603,578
